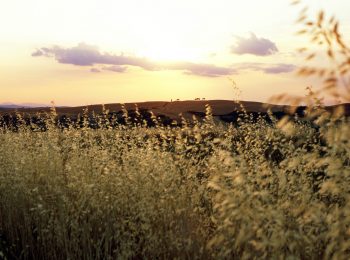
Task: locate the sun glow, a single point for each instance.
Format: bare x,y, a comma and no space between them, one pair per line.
168,52
167,41
182,45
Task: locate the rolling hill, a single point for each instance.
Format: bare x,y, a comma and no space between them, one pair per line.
221,109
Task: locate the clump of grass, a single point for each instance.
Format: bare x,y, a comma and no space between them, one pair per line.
98,194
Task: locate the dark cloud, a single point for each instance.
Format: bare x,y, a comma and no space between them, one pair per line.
254,45
88,55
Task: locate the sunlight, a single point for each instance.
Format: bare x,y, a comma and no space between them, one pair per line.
170,51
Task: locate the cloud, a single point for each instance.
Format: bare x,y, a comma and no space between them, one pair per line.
37,53
280,68
254,45
209,70
266,68
95,70
115,68
199,69
89,55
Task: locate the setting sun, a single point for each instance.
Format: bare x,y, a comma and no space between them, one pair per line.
50,45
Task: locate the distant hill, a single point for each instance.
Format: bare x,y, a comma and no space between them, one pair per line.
225,110
21,105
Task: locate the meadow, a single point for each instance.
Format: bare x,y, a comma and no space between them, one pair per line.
202,189
205,190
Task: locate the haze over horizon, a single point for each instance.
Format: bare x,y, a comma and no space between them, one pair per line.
91,52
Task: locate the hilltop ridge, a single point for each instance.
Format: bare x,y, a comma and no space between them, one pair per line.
168,109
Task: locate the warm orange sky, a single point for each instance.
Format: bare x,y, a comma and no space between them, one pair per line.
104,51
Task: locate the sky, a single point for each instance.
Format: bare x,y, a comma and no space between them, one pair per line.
79,52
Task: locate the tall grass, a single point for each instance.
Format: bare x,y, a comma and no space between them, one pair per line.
206,191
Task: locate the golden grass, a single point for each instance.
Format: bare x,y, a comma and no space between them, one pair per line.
257,190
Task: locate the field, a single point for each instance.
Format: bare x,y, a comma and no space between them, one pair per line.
196,179
205,190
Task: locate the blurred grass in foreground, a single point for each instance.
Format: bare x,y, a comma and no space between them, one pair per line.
271,190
